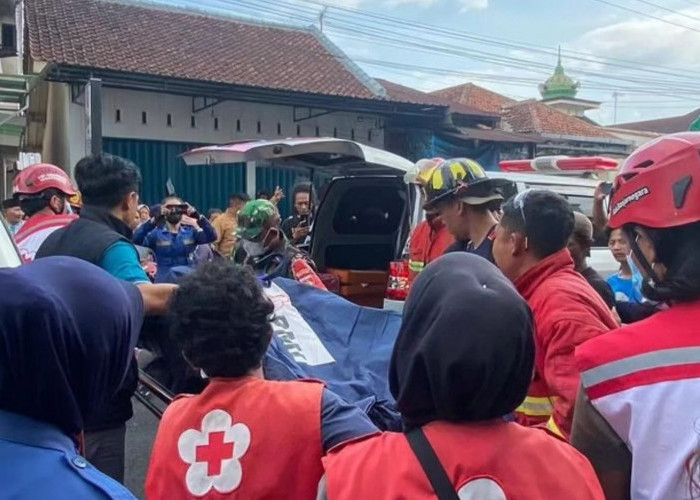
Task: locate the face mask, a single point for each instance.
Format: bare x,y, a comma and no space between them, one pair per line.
174,218
253,249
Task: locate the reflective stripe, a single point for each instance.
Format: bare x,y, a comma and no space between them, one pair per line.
552,426
415,266
648,361
536,407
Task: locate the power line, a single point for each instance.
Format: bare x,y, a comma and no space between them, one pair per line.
622,7
433,29
395,39
383,35
666,9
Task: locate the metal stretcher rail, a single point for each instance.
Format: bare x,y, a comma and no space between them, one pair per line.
150,389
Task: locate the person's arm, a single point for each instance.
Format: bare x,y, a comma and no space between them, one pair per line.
206,234
156,297
600,218
611,459
141,234
560,371
121,261
218,227
342,422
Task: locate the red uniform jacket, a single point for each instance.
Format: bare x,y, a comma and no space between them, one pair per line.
428,242
567,313
240,439
483,460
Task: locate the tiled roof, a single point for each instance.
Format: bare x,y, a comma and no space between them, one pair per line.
476,97
399,92
171,43
663,125
533,117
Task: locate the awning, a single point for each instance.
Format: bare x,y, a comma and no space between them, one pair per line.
492,135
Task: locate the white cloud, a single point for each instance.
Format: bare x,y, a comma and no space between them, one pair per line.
473,5
648,41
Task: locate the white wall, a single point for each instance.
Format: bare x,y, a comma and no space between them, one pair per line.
131,105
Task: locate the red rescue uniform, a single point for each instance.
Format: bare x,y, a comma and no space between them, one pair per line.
428,242
483,460
567,313
240,438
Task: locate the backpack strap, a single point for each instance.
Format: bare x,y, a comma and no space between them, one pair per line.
431,465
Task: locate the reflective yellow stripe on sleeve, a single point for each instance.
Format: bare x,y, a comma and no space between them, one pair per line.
552,426
416,266
536,407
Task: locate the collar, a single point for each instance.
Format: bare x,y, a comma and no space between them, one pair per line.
534,277
490,236
102,216
28,431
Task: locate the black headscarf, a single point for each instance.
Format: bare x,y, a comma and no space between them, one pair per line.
67,333
466,350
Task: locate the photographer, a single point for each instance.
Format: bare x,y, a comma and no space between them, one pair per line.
174,234
298,227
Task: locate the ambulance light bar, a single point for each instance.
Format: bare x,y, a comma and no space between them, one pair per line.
560,165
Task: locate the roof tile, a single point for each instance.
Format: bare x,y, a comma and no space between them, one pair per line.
533,117
399,92
476,97
130,38
669,125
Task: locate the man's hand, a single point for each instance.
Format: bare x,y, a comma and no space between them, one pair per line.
277,197
599,195
189,221
156,297
300,232
191,211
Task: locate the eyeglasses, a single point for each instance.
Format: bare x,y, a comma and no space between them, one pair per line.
519,203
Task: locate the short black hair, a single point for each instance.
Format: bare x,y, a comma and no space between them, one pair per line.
550,221
220,318
239,197
304,187
10,203
173,197
677,249
34,204
105,180
263,195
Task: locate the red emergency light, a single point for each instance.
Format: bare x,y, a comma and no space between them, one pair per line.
560,164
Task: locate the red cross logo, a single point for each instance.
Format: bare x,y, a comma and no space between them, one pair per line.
215,452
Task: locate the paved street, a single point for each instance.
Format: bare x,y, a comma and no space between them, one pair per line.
141,431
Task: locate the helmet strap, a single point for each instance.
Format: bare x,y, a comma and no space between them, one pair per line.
652,278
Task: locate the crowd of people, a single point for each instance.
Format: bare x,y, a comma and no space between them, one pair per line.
519,372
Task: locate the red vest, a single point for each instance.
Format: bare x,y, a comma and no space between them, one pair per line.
240,439
490,461
428,242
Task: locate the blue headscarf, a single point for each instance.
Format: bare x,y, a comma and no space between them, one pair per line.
67,333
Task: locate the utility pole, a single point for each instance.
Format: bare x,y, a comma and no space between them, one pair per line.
615,96
320,17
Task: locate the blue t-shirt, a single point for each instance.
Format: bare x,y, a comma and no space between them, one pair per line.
342,422
40,461
122,261
624,289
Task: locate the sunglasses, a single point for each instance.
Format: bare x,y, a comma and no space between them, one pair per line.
521,199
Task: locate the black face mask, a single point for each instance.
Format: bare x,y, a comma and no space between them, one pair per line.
174,218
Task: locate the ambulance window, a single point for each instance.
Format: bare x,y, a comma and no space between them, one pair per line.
369,210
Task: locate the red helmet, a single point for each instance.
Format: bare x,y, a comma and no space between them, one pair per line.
658,186
40,177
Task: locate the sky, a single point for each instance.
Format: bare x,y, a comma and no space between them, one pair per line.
644,54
